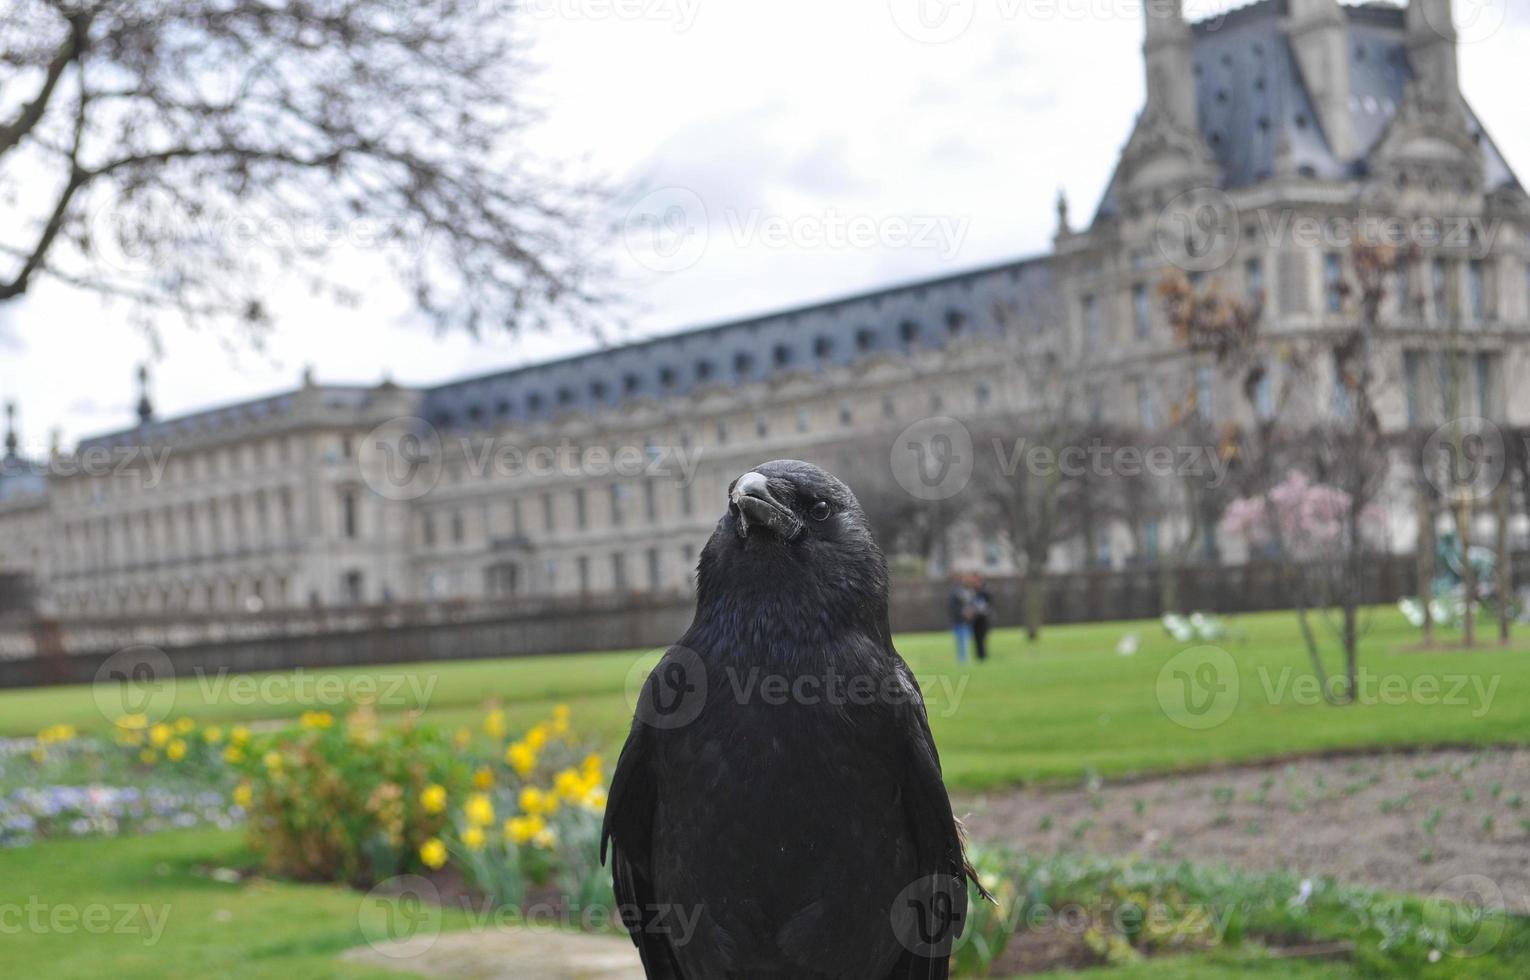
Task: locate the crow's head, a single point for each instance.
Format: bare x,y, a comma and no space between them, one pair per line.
792,529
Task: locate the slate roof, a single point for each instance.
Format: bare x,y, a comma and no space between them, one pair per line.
926,314
1251,94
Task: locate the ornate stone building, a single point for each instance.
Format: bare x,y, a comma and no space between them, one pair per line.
1271,138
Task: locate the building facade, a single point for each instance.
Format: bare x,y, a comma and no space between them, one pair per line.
1272,138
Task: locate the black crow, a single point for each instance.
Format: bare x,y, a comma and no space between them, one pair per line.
778,812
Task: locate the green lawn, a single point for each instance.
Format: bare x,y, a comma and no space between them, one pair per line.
1069,707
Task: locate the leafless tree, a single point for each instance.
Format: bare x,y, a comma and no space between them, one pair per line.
184,154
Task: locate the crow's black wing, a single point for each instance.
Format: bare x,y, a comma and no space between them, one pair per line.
626,838
937,902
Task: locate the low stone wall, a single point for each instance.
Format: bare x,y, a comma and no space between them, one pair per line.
51,652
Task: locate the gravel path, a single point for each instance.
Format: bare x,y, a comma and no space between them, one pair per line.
1456,822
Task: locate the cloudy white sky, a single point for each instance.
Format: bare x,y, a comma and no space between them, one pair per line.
827,117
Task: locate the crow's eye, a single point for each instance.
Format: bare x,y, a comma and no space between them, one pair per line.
820,511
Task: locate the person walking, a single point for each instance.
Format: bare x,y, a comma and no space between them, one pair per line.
960,609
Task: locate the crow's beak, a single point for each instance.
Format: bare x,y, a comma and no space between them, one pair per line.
754,506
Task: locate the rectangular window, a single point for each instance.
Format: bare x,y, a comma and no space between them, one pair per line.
1412,380
1333,277
1091,322
583,564
1343,398
548,517
1441,288
650,501
1264,396
1477,290
618,504
1142,311
655,576
1147,406
1253,276
1405,304
581,510
1487,386
619,572
1205,395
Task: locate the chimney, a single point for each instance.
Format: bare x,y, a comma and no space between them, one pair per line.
1170,74
145,406
1319,34
12,439
1432,53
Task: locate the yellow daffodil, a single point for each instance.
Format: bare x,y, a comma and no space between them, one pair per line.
56,733
479,810
148,757
546,838
176,750
537,738
239,735
433,853
39,755
463,738
184,725
133,721
472,838
594,800
536,803
522,830
317,719
244,795
570,785
522,758
593,765
212,735
160,734
272,759
494,724
433,798
233,755
483,778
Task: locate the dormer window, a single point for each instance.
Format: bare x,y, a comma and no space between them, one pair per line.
782,355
